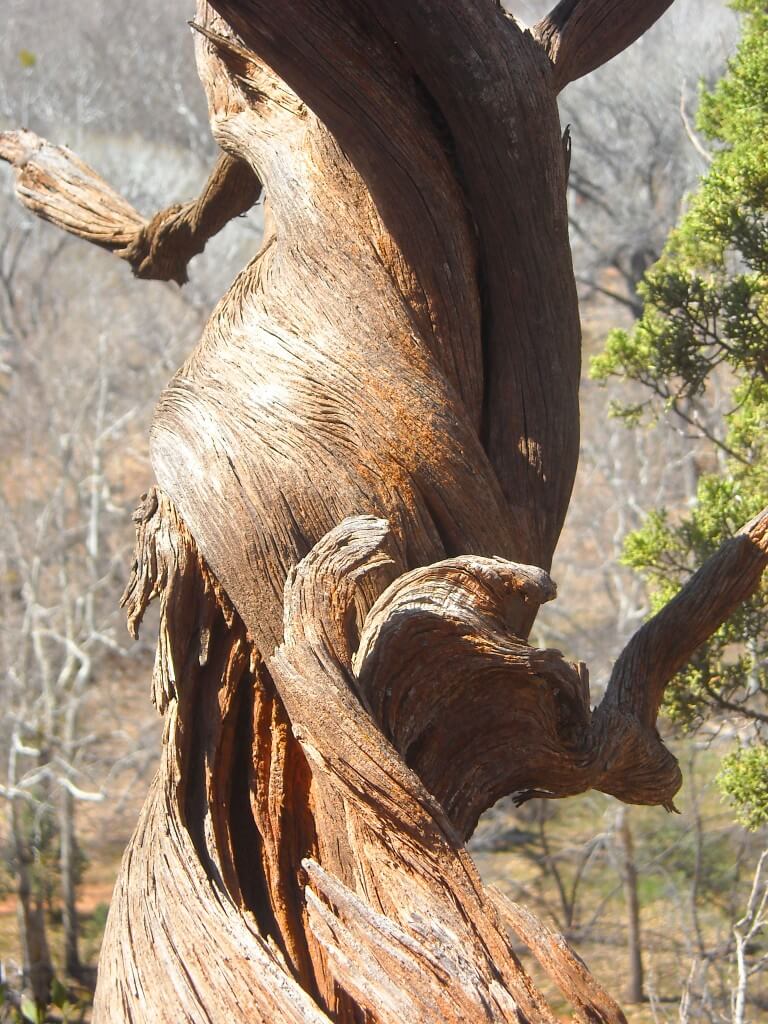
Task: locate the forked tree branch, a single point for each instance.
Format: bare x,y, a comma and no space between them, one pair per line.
59,187
580,35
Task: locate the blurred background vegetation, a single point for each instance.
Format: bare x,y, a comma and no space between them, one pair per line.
675,327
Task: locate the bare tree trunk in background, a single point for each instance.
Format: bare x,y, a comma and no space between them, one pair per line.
37,969
68,869
634,991
745,930
363,470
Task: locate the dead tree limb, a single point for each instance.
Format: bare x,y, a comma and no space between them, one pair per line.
59,187
567,969
580,35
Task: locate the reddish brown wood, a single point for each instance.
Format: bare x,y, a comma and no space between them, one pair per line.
592,1004
580,35
57,186
364,466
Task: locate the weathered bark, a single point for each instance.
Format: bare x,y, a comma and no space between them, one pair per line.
57,186
401,358
580,35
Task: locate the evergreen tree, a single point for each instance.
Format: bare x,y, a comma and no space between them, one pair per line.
706,313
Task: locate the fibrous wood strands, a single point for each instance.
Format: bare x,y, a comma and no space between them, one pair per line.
363,469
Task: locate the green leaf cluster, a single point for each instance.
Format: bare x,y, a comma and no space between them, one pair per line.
729,672
69,1008
706,299
743,778
706,307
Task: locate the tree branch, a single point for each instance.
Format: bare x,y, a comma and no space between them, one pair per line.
580,35
167,243
457,727
59,187
664,644
635,765
569,972
478,713
690,130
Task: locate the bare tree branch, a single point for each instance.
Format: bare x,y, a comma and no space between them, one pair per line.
665,643
690,130
569,972
580,35
59,187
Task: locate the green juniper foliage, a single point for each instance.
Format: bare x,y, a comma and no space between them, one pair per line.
744,777
706,306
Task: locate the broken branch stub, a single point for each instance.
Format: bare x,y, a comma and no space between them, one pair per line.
61,188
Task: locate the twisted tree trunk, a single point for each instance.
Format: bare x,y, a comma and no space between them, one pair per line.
363,470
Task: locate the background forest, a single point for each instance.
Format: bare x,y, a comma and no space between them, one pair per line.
657,904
